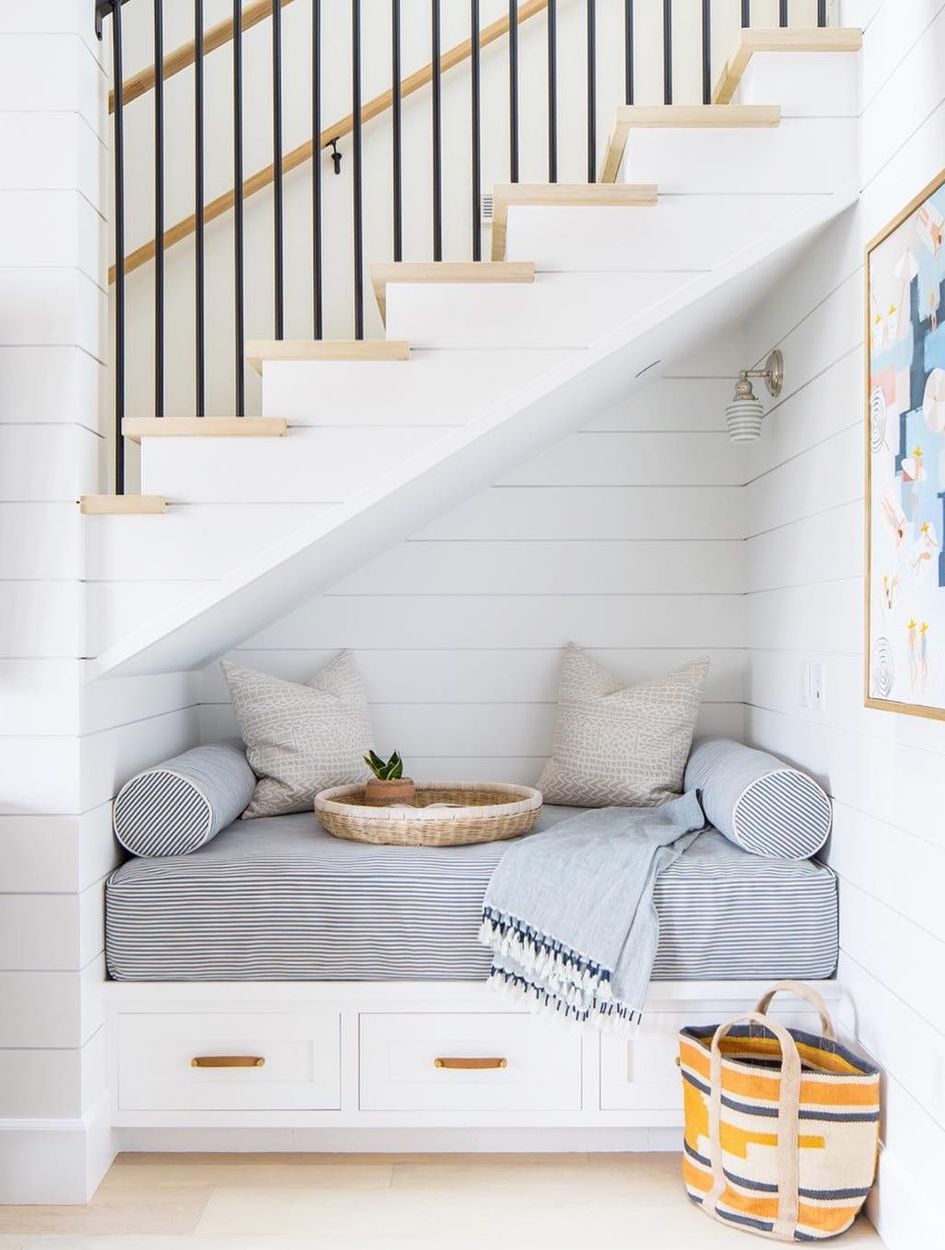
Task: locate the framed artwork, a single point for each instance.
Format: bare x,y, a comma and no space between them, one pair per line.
905,460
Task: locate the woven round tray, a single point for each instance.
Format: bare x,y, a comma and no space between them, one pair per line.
486,811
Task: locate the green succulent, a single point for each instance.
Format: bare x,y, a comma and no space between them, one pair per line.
391,770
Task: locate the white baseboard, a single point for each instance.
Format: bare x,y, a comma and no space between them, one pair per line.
903,1215
398,1140
54,1161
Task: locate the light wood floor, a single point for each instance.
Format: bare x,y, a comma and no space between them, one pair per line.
383,1202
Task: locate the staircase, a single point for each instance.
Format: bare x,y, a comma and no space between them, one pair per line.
590,287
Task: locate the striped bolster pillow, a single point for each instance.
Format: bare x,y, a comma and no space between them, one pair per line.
757,801
178,806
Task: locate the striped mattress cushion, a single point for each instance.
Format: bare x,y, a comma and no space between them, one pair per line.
178,806
280,899
757,801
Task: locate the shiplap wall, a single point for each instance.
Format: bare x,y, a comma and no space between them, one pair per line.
626,537
64,746
51,354
805,570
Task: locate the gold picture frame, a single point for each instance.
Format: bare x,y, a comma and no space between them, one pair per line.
904,347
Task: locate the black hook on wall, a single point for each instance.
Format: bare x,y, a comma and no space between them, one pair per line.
335,156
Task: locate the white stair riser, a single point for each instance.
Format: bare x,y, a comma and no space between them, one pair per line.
193,542
805,84
680,232
559,310
308,466
423,391
802,155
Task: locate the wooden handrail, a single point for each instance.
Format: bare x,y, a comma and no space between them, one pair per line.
298,156
142,82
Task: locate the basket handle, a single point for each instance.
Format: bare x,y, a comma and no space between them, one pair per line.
800,990
788,1110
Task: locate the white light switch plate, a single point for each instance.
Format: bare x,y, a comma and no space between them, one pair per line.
818,691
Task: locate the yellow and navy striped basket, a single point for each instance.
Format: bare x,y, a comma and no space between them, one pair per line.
781,1125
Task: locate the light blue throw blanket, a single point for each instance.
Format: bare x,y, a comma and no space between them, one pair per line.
569,913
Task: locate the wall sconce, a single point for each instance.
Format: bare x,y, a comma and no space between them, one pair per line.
743,415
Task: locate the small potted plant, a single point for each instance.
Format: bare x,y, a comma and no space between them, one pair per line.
388,786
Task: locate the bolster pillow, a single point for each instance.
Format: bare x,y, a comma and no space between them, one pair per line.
757,801
178,806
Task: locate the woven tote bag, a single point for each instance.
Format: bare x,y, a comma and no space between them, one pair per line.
781,1125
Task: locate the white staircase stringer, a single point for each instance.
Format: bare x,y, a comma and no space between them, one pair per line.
288,573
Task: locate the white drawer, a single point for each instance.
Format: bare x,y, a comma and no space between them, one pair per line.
203,1061
418,1062
641,1074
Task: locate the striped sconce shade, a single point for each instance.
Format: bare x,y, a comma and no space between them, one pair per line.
743,417
744,414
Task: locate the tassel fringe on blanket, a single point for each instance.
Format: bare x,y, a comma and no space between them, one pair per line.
556,981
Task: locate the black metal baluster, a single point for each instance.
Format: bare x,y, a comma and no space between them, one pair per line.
552,91
278,259
513,90
158,208
706,51
746,12
119,158
200,260
476,127
437,134
316,169
239,322
397,139
628,51
821,12
782,13
356,183
591,91
667,51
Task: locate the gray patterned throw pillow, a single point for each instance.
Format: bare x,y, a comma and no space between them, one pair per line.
619,745
300,738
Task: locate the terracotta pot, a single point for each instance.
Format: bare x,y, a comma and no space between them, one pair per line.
388,793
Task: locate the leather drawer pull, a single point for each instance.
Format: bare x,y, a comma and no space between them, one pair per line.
227,1061
470,1064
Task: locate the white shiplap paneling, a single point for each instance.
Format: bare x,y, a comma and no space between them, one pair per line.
805,570
64,746
626,538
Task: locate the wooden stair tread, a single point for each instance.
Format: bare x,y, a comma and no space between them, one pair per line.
786,39
562,194
681,117
122,505
137,428
353,350
468,271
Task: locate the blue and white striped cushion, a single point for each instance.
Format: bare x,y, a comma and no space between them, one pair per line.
178,806
280,899
757,801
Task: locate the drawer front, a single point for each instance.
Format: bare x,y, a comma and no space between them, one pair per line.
229,1062
468,1062
641,1074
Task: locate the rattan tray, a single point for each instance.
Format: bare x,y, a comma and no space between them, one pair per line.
485,811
